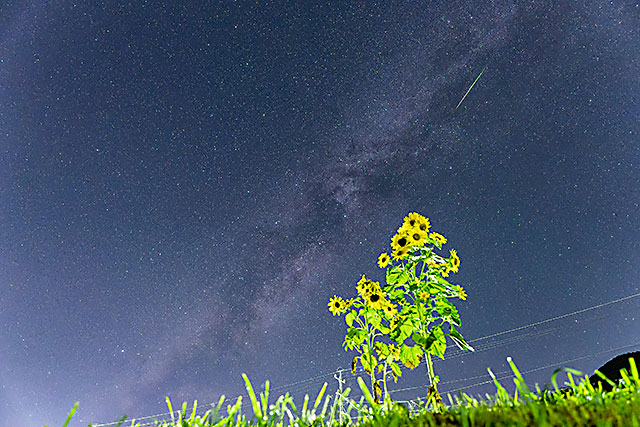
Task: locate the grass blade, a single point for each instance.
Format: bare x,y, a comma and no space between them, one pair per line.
634,371
604,377
73,411
264,398
519,380
366,392
181,414
304,407
193,412
503,396
325,406
252,396
319,398
173,421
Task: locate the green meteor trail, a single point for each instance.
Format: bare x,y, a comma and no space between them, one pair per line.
471,87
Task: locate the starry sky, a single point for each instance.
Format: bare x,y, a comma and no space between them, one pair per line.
184,186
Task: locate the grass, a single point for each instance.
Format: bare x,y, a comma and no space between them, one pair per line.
579,404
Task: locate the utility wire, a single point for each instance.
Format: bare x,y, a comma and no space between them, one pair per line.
557,317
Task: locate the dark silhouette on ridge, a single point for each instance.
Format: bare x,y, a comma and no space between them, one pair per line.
612,368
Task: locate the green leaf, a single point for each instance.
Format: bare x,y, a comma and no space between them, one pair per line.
402,331
361,336
406,329
368,362
374,319
414,285
397,275
447,310
435,288
350,317
350,338
458,339
395,369
354,364
438,278
419,339
436,342
455,319
410,356
382,349
354,338
254,401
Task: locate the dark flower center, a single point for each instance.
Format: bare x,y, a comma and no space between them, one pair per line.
336,304
423,227
402,241
374,298
416,237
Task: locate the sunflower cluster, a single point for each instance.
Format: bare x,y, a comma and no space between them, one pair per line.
413,232
373,297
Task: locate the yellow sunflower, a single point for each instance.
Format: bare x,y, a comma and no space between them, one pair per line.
438,238
400,240
461,293
432,264
383,260
336,305
417,237
400,253
424,295
455,261
394,351
363,280
389,309
445,271
415,220
375,300
364,286
395,322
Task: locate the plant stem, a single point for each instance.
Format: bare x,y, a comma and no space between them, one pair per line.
370,334
384,380
429,366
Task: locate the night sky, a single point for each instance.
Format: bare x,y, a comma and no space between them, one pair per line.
184,187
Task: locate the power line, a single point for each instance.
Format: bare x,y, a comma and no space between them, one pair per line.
486,347
558,317
510,373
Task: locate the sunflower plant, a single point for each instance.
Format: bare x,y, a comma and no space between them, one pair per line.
369,318
411,311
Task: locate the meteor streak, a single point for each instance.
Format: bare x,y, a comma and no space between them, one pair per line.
471,87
